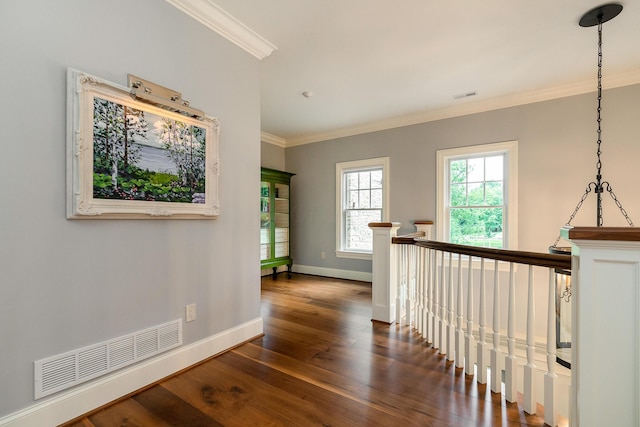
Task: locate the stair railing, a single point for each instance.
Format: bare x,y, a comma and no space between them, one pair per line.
441,289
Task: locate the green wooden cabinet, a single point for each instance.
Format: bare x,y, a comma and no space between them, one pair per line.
275,233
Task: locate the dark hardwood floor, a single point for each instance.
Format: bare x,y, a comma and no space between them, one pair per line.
321,362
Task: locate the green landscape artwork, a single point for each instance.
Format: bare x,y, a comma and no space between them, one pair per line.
142,156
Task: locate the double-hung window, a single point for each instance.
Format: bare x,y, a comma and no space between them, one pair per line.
477,195
361,198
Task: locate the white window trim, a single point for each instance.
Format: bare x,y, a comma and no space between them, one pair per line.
510,149
342,167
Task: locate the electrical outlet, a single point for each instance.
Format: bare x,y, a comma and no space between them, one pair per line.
323,255
191,312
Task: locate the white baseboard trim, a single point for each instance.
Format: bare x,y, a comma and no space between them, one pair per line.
80,400
363,276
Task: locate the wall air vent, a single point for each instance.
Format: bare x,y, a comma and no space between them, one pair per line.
66,370
465,95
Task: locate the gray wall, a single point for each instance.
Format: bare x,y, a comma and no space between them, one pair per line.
272,156
557,155
67,284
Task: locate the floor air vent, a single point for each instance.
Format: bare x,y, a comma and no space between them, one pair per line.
66,370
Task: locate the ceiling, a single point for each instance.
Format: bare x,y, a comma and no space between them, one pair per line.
378,64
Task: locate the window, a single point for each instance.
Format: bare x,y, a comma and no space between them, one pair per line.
361,198
477,195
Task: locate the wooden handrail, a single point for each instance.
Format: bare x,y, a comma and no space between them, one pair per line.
521,257
626,234
407,239
383,224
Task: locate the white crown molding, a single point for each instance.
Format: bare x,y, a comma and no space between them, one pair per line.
623,79
211,15
272,139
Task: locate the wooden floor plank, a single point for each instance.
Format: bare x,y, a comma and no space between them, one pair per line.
420,388
313,405
403,408
321,362
223,397
84,422
126,413
172,409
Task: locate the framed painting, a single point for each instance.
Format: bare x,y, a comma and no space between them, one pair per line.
132,159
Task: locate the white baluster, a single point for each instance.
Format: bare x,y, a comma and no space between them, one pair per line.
459,318
400,288
510,380
424,279
451,327
469,340
431,294
414,285
530,367
550,415
496,354
409,283
427,296
444,308
483,351
437,337
419,288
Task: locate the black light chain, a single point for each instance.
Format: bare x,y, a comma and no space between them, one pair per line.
618,204
599,162
598,185
575,211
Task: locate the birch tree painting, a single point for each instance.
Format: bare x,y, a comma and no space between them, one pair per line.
138,155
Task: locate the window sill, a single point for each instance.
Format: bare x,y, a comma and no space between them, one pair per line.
354,255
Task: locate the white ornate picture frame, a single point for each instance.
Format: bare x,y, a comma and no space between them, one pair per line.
130,159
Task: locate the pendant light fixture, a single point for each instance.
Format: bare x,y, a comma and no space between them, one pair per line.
596,16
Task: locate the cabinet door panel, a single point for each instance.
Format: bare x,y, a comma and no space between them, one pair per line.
274,218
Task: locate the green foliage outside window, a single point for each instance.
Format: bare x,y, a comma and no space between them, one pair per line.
477,201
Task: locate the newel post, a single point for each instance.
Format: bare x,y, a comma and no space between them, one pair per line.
384,284
605,356
425,227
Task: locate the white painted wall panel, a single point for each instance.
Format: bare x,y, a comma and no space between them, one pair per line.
607,334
